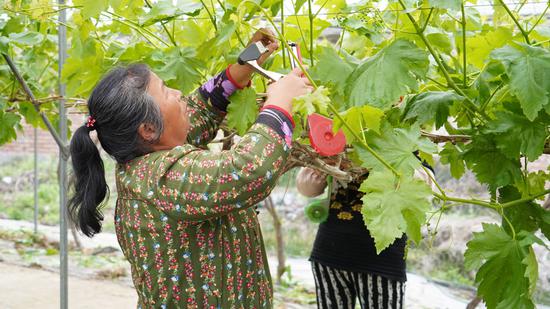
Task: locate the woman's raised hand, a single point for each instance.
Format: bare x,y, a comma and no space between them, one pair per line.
268,39
284,90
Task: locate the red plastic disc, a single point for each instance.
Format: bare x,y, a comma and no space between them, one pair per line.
321,137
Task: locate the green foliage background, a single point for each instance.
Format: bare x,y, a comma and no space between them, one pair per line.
400,69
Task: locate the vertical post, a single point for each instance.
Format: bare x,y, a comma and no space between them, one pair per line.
35,183
283,31
63,254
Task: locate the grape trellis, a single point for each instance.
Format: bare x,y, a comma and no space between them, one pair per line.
437,77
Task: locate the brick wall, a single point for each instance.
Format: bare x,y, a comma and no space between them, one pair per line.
46,144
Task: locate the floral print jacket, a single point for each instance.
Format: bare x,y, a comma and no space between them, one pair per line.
184,217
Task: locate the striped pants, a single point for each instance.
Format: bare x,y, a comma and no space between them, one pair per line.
339,289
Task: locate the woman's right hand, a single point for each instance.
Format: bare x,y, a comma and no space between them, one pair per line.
281,93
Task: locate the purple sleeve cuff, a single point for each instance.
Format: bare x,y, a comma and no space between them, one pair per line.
217,90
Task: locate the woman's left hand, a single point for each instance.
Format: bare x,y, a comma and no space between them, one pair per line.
242,73
311,182
268,39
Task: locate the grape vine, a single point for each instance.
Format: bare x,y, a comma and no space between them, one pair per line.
438,77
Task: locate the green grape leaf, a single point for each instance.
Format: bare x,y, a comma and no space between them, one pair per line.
397,146
391,209
298,5
480,46
27,38
275,6
430,105
473,19
516,134
28,111
489,164
531,270
409,4
335,6
225,32
500,16
192,32
128,8
440,40
92,8
452,156
526,216
534,182
87,77
243,110
8,123
293,23
331,70
140,51
392,72
181,68
528,68
4,45
545,223
358,118
314,102
236,3
446,4
166,11
84,67
493,251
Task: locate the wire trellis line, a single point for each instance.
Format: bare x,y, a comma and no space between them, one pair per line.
366,10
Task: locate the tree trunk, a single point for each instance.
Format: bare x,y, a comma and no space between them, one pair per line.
77,242
279,238
472,304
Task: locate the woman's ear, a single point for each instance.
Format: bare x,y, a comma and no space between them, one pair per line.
148,132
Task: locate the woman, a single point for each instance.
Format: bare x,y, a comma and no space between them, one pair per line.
344,261
183,216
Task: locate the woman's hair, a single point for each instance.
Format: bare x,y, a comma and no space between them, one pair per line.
118,105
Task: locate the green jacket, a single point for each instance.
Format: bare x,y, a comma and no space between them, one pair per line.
185,222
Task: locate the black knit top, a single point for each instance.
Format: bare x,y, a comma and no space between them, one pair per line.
344,242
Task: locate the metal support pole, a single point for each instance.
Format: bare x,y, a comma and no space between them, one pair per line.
35,184
63,253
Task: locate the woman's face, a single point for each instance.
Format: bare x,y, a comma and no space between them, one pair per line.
174,113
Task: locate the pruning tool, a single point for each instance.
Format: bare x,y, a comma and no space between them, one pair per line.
321,135
317,211
253,52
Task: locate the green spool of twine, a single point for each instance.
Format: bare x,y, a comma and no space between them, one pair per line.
317,211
